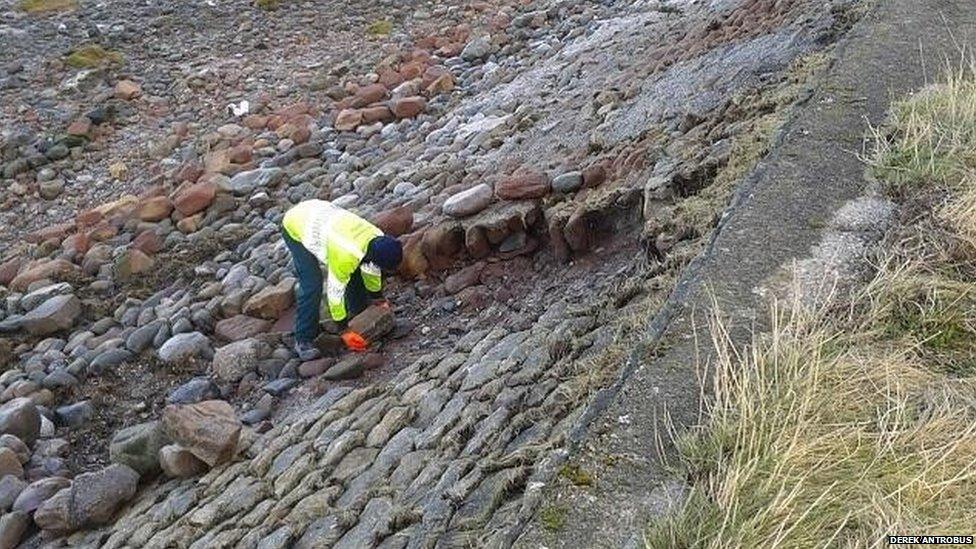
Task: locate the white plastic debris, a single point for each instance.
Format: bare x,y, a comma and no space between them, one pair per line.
239,109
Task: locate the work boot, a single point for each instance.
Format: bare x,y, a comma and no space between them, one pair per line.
306,351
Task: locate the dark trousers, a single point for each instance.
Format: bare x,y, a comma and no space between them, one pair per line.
310,277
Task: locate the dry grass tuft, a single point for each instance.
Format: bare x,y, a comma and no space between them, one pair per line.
857,420
933,137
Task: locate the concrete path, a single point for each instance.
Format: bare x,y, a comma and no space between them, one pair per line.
777,216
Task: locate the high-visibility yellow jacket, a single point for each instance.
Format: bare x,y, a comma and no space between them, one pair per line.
338,239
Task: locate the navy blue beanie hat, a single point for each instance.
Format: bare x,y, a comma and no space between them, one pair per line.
385,251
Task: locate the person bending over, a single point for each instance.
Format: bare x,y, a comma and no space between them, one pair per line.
351,252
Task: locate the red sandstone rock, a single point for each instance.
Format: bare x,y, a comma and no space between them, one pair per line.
78,242
348,119
295,109
155,209
103,231
241,154
409,107
367,95
88,218
577,232
390,78
395,221
194,198
147,242
523,185
466,277
414,263
127,89
240,327
271,301
373,323
432,74
8,270
58,231
476,242
54,269
411,70
442,243
189,171
255,122
80,127
594,175
378,113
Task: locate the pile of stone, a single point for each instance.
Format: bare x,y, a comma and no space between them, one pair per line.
34,483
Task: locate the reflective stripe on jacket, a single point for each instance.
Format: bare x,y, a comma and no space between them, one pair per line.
338,239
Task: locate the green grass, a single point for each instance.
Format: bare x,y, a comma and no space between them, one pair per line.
552,517
46,6
576,475
847,423
92,56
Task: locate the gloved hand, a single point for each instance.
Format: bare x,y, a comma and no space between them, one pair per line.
354,341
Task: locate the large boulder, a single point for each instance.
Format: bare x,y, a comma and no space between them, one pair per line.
208,429
138,447
20,418
56,314
271,301
234,360
91,500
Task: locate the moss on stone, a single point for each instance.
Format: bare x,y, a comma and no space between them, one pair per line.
552,517
46,6
91,56
267,5
381,27
576,475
